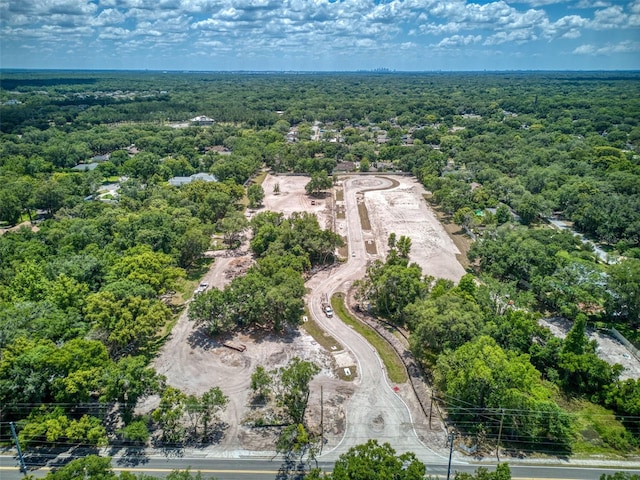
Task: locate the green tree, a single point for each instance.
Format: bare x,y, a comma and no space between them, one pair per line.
577,341
443,323
620,476
202,410
319,181
261,382
295,441
169,414
143,265
404,246
212,308
624,281
292,390
391,286
212,402
128,324
49,196
129,380
10,208
232,227
377,462
255,193
482,374
503,214
528,209
136,432
191,245
91,467
52,426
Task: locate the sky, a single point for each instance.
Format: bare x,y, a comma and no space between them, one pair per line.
320,35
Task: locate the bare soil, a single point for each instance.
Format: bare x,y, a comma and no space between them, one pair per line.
404,211
194,362
609,348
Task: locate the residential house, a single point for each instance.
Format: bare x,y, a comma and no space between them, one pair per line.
204,177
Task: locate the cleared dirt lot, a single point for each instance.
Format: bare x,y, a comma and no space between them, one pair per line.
194,362
293,198
403,210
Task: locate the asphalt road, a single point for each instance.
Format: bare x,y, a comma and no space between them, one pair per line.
374,410
244,469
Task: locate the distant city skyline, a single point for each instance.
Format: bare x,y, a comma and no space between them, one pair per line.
320,35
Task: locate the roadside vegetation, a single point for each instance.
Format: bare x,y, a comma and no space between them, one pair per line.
395,368
110,249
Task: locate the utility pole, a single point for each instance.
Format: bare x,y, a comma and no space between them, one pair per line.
450,454
430,410
321,419
499,435
23,467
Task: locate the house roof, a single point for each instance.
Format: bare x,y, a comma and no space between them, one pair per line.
101,158
202,119
204,177
83,167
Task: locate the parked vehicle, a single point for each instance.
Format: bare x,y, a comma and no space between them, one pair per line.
326,306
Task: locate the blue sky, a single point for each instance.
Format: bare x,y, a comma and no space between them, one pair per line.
321,35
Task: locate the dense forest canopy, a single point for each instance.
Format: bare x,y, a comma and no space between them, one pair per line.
120,188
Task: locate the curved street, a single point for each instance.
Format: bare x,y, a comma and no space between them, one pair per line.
375,411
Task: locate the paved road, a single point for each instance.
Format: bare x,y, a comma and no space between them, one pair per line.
375,410
245,469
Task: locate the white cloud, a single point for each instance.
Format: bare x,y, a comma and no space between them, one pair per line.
607,18
561,27
538,3
48,7
626,46
299,27
572,34
513,36
592,4
409,45
442,29
109,16
113,33
459,41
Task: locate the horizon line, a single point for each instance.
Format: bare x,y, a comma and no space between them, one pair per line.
380,70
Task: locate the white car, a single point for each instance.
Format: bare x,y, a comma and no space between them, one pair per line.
201,288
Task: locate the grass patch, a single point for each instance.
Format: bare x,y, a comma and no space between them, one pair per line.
187,285
395,368
347,378
217,243
370,247
260,177
339,195
598,430
344,250
319,335
365,223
